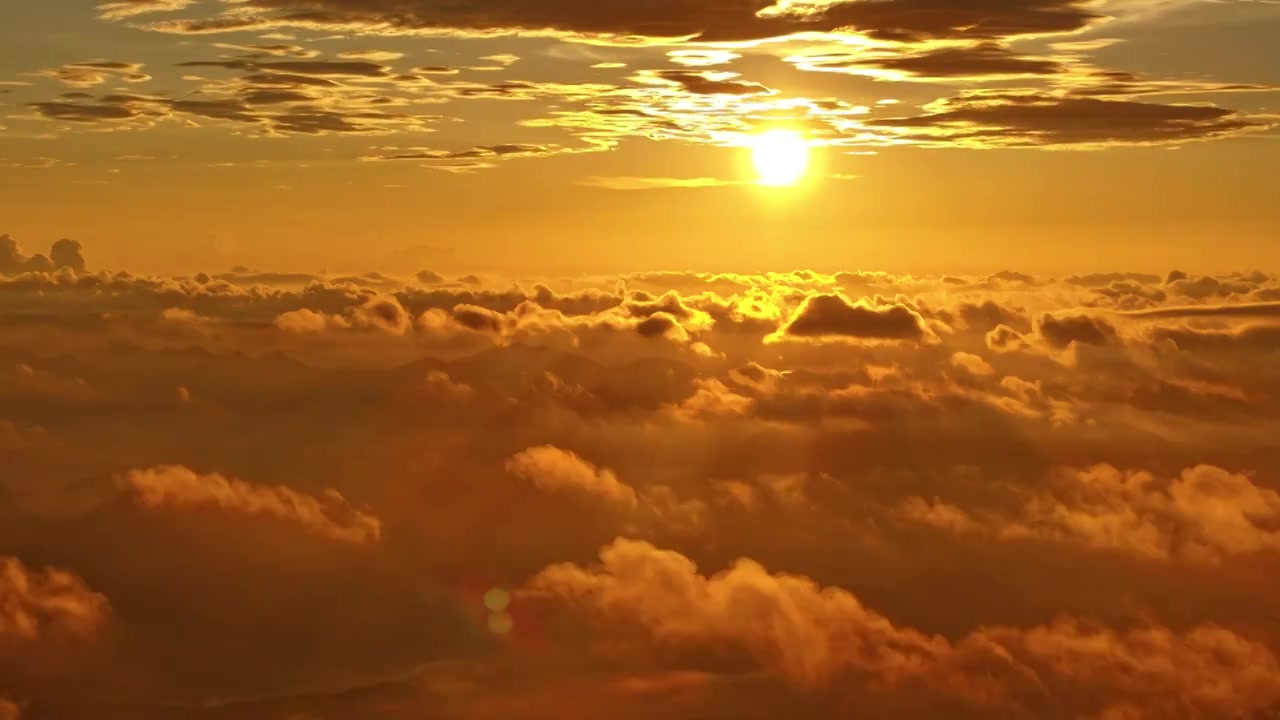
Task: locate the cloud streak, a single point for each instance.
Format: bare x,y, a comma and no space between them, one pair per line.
179,488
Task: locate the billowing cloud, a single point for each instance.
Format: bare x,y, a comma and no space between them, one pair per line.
556,470
64,254
479,430
835,316
1204,514
48,603
180,488
822,636
1062,331
382,314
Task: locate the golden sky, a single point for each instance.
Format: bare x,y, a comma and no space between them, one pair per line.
366,134
689,359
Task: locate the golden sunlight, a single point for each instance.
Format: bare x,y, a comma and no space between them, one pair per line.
780,157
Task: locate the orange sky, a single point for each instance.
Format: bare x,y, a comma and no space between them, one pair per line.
1132,134
639,359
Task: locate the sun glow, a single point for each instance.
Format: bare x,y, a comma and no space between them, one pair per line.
780,157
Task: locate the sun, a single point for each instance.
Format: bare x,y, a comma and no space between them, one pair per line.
780,157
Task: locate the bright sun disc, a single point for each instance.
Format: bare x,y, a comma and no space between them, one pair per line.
780,157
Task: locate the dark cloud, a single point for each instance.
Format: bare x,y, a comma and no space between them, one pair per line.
981,60
279,102
64,254
1061,331
894,20
480,152
1024,119
85,113
267,51
320,68
836,316
989,314
91,73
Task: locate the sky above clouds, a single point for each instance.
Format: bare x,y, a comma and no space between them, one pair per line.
404,359
364,135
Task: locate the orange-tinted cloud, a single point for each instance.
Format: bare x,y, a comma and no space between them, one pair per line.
835,316
555,470
1037,119
716,21
1126,487
53,603
821,636
179,488
1204,514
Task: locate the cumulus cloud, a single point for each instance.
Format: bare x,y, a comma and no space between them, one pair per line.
48,603
179,488
972,364
382,314
64,254
835,316
818,636
552,469
1204,514
1109,449
1062,331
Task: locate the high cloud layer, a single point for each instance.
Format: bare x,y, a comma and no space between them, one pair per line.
788,494
998,74
712,21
